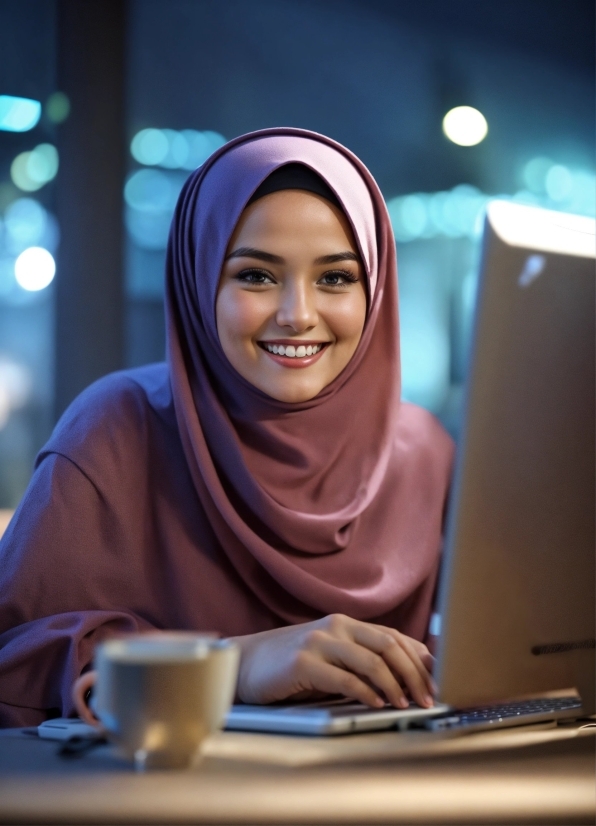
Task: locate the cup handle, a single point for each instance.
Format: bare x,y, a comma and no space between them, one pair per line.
80,689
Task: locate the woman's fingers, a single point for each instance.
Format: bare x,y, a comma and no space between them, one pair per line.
422,658
403,662
417,652
367,664
330,679
420,654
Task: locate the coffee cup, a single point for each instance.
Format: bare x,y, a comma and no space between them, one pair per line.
158,696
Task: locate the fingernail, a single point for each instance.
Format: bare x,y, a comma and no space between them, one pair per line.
379,702
428,700
403,703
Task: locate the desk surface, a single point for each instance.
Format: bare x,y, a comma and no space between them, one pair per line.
535,775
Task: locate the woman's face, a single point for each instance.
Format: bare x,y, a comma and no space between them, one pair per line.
291,301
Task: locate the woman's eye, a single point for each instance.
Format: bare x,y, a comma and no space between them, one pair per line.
254,277
338,278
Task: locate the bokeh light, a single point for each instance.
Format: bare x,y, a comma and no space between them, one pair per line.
25,225
170,149
583,196
18,114
151,196
456,214
459,213
34,269
559,186
20,175
32,170
4,407
28,224
149,146
558,183
465,126
42,166
534,174
16,380
177,153
8,193
57,107
15,388
150,190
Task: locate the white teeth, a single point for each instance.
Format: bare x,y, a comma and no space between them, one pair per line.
293,352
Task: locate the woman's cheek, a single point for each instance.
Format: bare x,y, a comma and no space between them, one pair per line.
241,316
252,312
346,319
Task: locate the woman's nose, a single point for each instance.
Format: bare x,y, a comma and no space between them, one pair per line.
297,308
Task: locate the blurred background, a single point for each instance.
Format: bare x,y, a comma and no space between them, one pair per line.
106,106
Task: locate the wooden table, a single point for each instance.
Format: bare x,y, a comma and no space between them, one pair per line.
533,775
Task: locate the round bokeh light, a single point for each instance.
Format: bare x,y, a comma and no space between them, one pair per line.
465,126
34,269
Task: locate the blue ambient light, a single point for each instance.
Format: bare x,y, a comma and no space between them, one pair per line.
18,114
170,149
32,170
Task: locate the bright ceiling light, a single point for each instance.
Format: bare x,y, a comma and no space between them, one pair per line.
34,269
465,126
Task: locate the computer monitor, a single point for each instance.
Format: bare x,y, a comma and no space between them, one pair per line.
517,593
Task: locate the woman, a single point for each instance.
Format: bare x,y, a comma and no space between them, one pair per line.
288,499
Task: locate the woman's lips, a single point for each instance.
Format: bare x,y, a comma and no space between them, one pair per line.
294,362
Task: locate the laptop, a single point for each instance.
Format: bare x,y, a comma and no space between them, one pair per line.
516,601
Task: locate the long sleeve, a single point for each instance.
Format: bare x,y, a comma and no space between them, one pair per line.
59,592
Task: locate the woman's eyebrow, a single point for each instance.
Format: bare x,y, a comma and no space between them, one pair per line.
250,252
348,255
261,255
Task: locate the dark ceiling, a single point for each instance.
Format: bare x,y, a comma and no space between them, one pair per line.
559,31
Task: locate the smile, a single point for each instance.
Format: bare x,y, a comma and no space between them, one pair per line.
294,355
291,351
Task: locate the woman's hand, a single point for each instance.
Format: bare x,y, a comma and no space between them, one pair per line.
334,655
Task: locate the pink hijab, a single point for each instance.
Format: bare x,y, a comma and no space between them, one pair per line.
334,504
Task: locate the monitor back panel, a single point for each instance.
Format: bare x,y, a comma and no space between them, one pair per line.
517,595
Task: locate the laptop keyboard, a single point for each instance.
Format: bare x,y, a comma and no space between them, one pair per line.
487,716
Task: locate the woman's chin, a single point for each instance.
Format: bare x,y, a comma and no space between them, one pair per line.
292,391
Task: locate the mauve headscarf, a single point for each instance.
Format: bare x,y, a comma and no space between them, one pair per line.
179,496
328,500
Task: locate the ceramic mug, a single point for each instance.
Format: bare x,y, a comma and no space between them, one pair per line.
158,696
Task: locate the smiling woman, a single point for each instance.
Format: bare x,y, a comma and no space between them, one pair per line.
267,482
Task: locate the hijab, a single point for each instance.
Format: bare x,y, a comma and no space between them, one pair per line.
328,505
